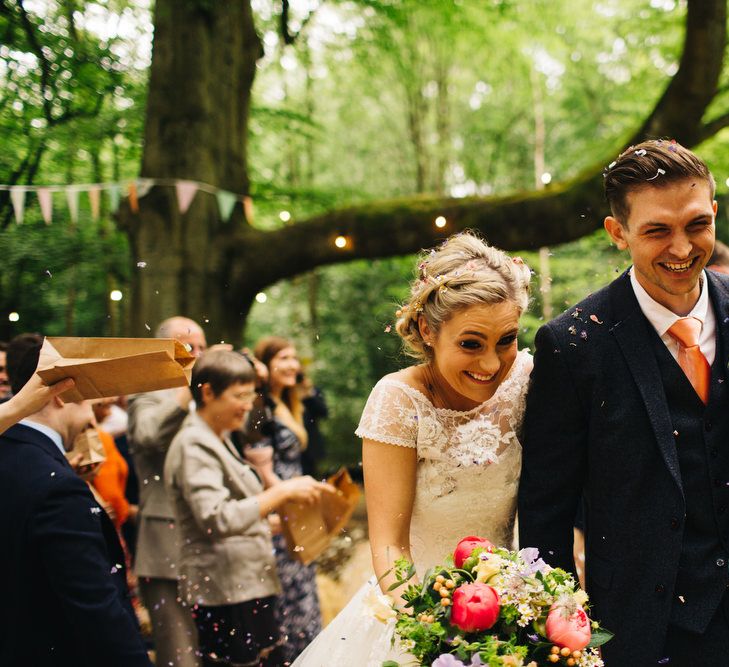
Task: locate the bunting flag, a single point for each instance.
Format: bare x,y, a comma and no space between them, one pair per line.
226,202
133,197
248,209
46,204
95,201
114,198
17,197
186,191
72,201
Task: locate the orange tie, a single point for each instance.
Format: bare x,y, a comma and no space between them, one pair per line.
690,357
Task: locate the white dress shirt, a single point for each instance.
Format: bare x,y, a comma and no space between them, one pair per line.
663,319
47,431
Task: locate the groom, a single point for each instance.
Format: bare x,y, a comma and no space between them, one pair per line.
628,409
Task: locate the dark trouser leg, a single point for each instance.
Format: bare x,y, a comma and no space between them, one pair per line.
173,630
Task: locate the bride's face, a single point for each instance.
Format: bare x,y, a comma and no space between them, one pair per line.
473,352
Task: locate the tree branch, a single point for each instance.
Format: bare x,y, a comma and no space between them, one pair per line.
524,220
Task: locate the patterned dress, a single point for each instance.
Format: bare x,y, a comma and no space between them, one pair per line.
466,483
299,603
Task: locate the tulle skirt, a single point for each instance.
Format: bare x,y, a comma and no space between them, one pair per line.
355,638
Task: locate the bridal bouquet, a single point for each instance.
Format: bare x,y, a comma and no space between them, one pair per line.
492,606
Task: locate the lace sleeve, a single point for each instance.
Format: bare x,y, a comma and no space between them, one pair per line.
390,416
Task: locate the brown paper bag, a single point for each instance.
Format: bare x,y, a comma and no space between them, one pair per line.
104,367
310,528
89,445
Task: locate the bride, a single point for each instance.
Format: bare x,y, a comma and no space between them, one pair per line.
440,451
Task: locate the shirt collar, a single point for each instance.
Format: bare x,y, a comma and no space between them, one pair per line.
54,435
658,315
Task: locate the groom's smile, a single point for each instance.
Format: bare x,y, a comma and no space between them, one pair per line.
670,236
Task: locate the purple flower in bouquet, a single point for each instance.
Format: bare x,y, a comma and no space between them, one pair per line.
530,556
447,660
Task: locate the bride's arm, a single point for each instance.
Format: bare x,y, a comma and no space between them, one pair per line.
389,475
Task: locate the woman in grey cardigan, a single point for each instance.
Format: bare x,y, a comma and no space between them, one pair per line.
228,571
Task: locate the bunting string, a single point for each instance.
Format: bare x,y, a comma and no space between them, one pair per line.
133,190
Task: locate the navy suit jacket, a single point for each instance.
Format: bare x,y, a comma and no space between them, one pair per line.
64,595
597,423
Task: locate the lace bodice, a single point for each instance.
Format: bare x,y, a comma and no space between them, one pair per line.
468,462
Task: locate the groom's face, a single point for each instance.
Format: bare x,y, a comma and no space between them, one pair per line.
670,236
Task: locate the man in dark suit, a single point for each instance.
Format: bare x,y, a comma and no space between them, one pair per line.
627,413
65,600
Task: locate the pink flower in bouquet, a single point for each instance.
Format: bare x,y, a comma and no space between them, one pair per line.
467,545
475,607
568,626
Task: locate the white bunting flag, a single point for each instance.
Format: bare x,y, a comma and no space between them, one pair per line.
94,201
46,204
186,191
17,197
72,202
144,185
226,202
114,197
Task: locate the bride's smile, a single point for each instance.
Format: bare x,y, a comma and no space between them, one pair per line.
472,354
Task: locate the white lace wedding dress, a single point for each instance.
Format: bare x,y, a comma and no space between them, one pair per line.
466,484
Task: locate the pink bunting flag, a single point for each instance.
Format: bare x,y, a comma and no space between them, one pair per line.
248,209
133,197
46,204
186,191
95,201
17,197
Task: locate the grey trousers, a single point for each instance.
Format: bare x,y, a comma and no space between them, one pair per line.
173,630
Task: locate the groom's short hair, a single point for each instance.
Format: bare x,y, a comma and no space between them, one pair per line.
656,163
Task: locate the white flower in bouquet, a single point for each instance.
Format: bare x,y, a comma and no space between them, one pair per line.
378,605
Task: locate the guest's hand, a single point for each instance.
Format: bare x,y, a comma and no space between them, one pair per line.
258,366
306,489
274,523
30,399
259,457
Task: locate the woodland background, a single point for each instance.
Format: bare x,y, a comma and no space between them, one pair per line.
365,119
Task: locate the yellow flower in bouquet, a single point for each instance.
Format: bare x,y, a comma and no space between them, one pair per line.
486,568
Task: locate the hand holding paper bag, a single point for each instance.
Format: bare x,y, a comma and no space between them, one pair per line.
104,367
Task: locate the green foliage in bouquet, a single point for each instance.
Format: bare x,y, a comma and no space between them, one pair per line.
492,606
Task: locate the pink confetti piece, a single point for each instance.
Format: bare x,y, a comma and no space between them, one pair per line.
595,319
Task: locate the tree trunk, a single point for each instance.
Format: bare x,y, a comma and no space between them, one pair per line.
203,65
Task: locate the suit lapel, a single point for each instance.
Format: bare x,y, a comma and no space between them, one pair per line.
632,335
719,296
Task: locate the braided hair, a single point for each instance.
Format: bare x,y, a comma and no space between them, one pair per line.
463,272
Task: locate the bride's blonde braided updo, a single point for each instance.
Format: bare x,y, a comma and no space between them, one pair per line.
462,272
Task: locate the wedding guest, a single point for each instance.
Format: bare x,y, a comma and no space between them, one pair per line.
111,478
154,419
441,445
227,567
315,409
4,382
64,594
300,613
627,409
